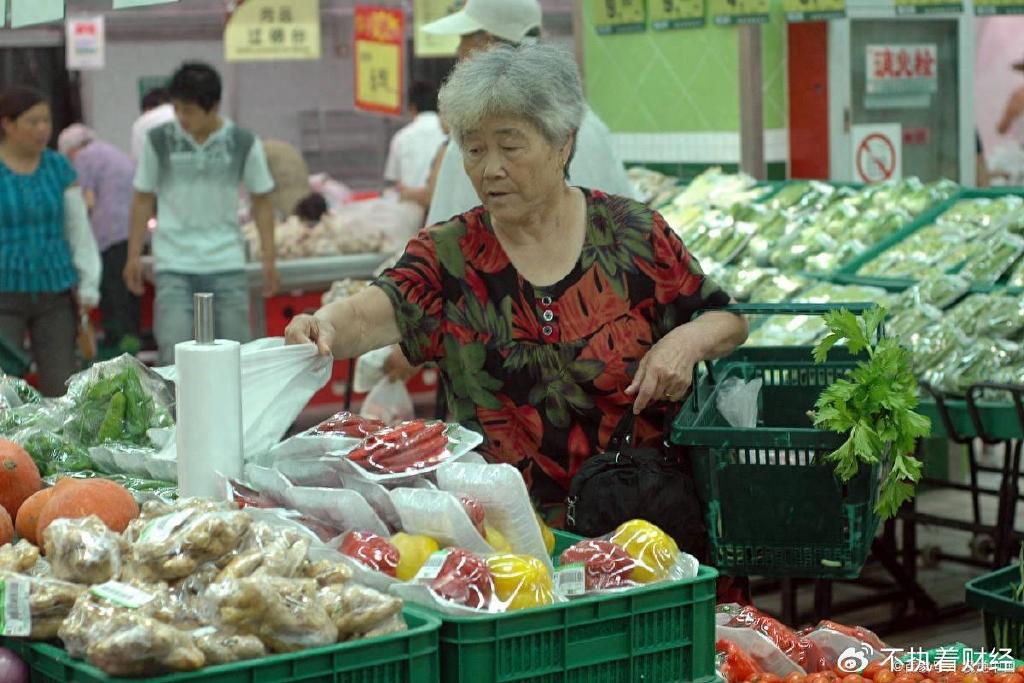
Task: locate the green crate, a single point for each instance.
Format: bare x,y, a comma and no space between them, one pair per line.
409,657
664,632
1003,616
772,506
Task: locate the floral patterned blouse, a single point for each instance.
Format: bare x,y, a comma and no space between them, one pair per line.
541,371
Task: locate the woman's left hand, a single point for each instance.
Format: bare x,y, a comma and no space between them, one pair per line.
665,372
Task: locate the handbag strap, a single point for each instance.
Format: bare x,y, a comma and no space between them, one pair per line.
622,437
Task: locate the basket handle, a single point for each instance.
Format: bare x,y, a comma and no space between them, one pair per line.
856,308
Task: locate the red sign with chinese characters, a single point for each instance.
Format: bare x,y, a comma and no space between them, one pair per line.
379,69
902,69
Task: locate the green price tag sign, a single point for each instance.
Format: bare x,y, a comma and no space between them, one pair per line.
910,7
672,14
619,16
730,12
988,8
813,10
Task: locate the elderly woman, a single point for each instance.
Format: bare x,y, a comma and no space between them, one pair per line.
551,310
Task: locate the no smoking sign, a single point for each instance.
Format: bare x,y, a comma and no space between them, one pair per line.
877,152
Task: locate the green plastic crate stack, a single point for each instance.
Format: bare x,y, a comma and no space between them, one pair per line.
980,238
1000,597
804,330
662,632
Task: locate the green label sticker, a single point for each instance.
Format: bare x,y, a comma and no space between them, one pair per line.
121,594
15,610
161,528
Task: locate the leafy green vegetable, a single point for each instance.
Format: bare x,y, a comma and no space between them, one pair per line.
54,455
115,408
874,405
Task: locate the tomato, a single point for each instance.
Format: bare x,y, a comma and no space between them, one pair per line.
885,676
1013,678
795,677
871,669
853,678
765,678
905,678
974,677
1020,670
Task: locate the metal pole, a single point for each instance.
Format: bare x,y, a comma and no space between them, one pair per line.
751,101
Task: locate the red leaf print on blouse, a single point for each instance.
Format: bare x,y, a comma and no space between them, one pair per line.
579,448
588,304
513,432
525,324
482,250
612,409
477,286
618,345
671,267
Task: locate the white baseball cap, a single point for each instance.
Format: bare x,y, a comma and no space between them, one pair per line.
509,20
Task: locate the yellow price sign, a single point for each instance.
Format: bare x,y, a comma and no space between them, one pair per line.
619,16
813,10
672,14
379,39
905,7
273,30
729,12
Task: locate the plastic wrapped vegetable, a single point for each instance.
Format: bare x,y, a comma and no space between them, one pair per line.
735,665
225,647
175,545
803,652
19,558
288,615
606,565
357,611
372,550
136,645
998,257
465,579
117,401
53,454
83,550
49,600
520,582
989,315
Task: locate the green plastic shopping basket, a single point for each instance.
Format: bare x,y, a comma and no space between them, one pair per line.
772,504
995,594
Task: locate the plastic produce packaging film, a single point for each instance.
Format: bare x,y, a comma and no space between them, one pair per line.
209,429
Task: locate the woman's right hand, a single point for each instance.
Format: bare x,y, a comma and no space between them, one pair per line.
308,329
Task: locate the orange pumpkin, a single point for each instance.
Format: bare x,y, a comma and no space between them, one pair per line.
28,514
6,528
80,498
19,477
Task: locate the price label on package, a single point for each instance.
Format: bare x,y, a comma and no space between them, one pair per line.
571,580
15,611
431,569
619,16
121,594
667,15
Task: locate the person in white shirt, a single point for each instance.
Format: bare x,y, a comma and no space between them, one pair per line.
156,111
482,23
414,147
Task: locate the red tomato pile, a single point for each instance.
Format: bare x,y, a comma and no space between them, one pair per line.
876,673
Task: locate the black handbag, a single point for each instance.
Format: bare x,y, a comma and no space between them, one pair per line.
624,483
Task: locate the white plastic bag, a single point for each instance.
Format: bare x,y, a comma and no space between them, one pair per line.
389,402
737,401
277,383
502,492
341,508
439,515
370,369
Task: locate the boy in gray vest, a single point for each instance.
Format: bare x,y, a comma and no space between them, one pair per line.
195,164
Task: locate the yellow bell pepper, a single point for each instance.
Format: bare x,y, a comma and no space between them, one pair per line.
413,551
654,551
548,534
521,581
497,540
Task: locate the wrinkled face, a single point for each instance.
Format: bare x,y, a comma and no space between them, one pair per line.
513,167
31,130
474,42
195,120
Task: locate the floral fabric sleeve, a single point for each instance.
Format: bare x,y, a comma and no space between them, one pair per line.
414,287
681,287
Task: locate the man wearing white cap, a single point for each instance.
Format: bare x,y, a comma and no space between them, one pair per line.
481,24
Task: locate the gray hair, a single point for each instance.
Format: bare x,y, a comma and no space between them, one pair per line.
538,83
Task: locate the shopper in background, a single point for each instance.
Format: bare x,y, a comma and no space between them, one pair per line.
484,23
156,111
414,147
195,165
290,174
49,263
105,175
1014,110
556,308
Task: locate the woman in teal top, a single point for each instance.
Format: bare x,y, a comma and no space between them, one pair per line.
49,263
